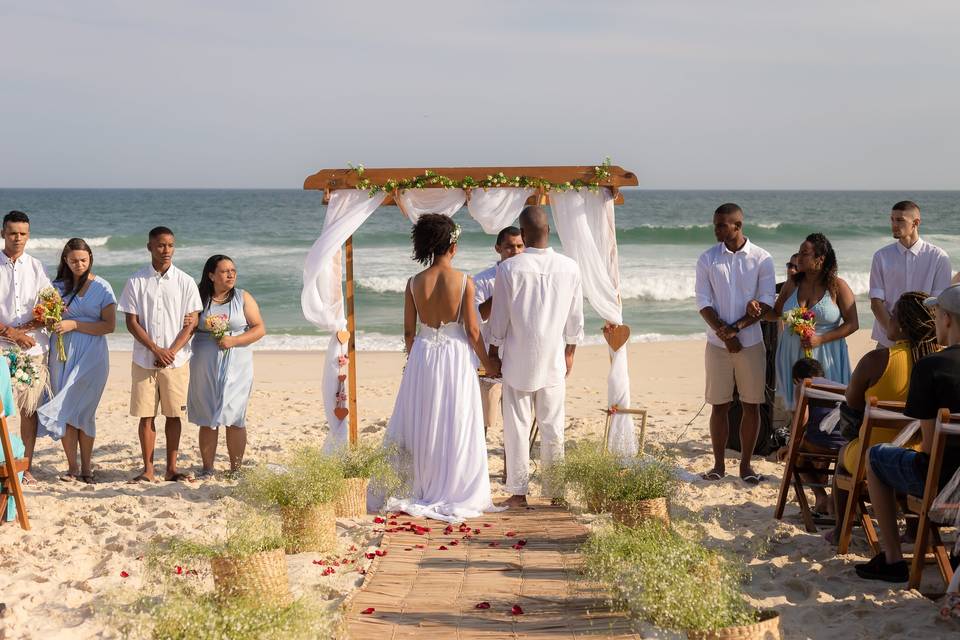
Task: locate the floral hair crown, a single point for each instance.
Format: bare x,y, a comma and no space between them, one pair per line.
455,234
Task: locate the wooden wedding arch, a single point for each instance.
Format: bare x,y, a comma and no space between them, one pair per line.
328,180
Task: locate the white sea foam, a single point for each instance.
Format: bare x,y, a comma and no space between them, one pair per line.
36,244
769,225
658,285
384,284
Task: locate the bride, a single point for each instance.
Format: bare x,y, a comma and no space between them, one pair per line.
437,418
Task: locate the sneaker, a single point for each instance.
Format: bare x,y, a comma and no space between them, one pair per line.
878,569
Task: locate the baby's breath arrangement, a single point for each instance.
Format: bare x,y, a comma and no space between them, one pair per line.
667,577
599,477
308,478
377,463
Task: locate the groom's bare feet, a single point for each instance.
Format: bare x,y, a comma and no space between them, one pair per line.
514,501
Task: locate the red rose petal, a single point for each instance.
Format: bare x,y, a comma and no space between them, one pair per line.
454,543
482,605
476,532
419,546
510,534
522,543
378,520
124,574
516,610
441,548
179,570
392,522
408,549
368,611
362,572
518,546
494,544
369,556
487,525
380,552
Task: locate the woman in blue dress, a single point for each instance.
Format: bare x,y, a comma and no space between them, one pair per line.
221,369
78,383
9,410
817,287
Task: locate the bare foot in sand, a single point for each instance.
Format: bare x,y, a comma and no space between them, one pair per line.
514,501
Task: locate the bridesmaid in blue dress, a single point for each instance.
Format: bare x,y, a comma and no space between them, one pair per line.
221,370
817,287
9,410
78,383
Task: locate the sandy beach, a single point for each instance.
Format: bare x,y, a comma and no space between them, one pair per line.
56,578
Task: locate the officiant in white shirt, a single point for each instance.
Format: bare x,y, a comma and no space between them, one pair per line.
21,278
537,320
909,264
509,243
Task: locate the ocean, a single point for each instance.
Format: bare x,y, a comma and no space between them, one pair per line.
268,234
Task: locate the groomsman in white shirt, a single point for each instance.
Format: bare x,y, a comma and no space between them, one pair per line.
21,278
909,264
161,304
509,243
537,319
732,276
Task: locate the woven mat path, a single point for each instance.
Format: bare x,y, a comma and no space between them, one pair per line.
428,592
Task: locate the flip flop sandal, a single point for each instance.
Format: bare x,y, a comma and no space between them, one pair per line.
67,477
140,478
712,476
86,479
752,479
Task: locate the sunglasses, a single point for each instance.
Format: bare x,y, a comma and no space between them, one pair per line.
790,265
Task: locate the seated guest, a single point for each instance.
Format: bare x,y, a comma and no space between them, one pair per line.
934,384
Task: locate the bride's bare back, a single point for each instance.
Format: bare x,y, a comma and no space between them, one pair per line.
438,292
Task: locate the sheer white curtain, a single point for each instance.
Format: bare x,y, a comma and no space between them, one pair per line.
497,207
585,223
322,295
416,202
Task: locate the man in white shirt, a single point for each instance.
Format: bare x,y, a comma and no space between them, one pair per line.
21,279
537,319
909,264
731,276
509,243
161,304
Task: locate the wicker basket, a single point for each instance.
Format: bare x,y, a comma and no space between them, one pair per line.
261,577
310,529
768,628
633,513
353,501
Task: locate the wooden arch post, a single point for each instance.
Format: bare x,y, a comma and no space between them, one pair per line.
328,180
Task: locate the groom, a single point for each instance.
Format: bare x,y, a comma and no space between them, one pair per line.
537,318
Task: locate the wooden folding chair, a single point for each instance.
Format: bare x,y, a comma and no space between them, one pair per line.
877,415
9,480
799,461
929,531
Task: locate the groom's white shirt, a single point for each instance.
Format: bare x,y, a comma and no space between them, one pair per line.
537,310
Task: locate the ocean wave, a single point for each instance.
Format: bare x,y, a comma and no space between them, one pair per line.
40,244
657,286
702,234
383,284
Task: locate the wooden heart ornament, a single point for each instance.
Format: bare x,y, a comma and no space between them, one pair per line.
342,377
341,412
616,335
343,337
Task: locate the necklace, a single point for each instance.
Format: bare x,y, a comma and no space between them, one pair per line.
221,299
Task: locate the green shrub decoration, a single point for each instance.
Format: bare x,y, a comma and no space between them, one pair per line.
598,477
377,463
667,577
308,478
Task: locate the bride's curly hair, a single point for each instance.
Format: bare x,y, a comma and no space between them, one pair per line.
432,236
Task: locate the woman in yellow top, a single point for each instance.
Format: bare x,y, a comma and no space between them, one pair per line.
885,374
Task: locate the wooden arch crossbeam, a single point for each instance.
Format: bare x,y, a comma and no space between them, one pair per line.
328,180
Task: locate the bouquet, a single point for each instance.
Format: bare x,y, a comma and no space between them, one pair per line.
23,373
803,322
49,310
218,325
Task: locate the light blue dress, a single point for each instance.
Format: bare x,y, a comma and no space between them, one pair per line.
833,356
220,380
10,410
78,383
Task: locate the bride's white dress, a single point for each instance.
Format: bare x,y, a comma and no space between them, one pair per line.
438,421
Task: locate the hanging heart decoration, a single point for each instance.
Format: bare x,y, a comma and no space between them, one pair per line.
343,336
616,335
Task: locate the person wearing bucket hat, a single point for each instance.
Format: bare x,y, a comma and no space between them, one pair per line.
934,384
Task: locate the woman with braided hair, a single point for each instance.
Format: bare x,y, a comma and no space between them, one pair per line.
885,374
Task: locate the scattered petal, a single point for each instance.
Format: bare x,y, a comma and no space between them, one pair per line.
487,525
441,548
378,520
368,611
494,544
454,543
510,534
516,610
380,552
124,574
179,570
482,605
408,549
369,556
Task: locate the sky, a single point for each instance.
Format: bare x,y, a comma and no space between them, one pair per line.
689,95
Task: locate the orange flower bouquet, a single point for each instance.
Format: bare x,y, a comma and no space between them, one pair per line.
49,310
803,322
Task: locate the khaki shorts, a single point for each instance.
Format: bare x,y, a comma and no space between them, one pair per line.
166,387
746,369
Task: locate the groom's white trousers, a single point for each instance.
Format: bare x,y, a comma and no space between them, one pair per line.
519,408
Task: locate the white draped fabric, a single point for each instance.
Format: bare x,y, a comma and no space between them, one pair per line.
417,202
497,207
322,296
585,223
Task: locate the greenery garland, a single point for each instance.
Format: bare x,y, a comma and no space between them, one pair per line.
601,173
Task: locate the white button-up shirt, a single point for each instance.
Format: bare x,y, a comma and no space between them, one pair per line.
728,280
897,269
20,282
160,302
537,310
483,289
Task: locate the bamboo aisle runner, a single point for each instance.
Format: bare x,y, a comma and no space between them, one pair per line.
428,585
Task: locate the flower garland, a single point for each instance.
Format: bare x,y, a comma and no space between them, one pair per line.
601,173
